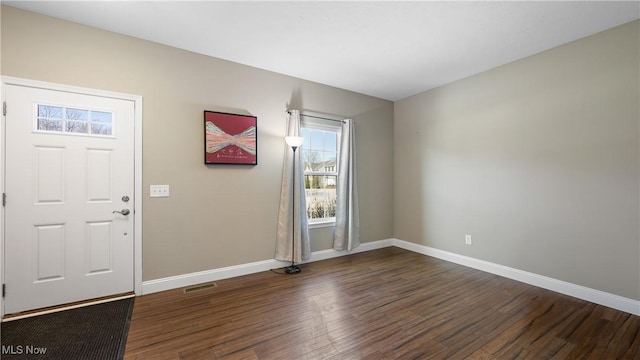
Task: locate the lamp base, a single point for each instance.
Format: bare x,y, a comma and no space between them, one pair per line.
293,269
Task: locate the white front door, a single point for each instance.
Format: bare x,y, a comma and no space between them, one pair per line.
70,194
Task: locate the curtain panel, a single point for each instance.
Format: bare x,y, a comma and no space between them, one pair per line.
347,231
298,203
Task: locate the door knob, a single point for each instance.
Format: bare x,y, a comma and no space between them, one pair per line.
123,212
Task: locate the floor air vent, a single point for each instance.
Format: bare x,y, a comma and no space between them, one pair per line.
199,287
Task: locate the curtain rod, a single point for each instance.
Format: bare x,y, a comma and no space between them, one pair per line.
318,117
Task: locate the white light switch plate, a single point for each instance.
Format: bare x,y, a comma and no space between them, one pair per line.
467,240
159,190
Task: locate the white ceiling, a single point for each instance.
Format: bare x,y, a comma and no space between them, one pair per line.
386,49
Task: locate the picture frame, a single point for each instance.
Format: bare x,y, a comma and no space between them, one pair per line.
230,138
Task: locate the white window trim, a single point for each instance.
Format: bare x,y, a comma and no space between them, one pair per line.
327,125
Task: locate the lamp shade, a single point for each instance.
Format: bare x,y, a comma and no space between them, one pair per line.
294,141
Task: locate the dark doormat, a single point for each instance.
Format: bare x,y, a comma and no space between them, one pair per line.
92,332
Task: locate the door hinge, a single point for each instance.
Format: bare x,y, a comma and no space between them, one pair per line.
4,290
4,108
4,199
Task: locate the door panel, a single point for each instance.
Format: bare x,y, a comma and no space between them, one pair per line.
99,245
48,252
99,175
49,174
69,162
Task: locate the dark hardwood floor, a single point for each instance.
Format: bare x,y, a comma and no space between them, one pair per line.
383,304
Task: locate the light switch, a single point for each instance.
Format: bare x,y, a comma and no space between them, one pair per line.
159,190
467,240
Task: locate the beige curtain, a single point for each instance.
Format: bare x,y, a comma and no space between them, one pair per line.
347,231
283,240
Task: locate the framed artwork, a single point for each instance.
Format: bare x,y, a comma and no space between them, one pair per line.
230,139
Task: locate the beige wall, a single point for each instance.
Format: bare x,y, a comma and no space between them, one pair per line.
538,160
217,216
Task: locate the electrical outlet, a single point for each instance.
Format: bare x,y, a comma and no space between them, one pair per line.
159,190
467,240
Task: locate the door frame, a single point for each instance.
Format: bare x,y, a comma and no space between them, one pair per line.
137,213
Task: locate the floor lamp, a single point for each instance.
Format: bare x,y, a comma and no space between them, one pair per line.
294,142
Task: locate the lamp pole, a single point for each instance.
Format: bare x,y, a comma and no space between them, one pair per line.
294,142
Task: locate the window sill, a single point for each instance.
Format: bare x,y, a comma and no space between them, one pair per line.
322,224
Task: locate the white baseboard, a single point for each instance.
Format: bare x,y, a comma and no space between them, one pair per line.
368,246
178,281
581,292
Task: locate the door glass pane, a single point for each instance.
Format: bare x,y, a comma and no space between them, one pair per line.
101,123
52,118
50,112
101,129
77,114
49,125
80,127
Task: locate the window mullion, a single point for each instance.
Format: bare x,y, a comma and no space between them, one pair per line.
321,173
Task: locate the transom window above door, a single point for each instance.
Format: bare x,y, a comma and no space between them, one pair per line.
73,120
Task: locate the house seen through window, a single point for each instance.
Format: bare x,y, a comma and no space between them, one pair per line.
320,161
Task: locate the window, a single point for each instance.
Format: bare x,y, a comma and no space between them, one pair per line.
62,119
320,161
